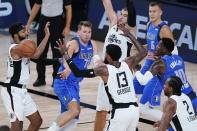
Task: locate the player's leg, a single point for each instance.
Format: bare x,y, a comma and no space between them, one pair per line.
13,102
16,125
134,119
31,112
35,121
100,120
122,118
69,98
152,92
103,106
70,125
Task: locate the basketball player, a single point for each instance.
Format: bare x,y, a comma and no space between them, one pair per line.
169,65
81,49
113,37
156,29
118,77
178,110
14,93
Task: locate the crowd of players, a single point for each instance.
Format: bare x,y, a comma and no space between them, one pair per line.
119,69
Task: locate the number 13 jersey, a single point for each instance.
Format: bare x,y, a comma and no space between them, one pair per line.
120,84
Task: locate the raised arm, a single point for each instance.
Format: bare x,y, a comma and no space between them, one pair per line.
42,46
89,73
133,60
33,14
111,14
71,47
96,58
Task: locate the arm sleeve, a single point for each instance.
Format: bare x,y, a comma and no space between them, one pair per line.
46,61
38,2
143,79
89,73
131,13
66,2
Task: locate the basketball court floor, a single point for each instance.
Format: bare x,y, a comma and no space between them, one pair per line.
49,106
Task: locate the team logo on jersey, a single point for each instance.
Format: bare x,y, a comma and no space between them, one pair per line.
26,61
155,98
11,115
65,98
113,39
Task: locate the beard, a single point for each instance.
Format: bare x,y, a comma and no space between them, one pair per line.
21,38
105,61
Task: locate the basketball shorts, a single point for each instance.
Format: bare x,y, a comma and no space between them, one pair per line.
18,103
67,91
125,119
102,98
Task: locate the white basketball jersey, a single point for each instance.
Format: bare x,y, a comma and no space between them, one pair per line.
114,37
18,70
184,119
120,84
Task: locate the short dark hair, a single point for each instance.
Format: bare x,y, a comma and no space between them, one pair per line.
155,3
125,9
168,43
15,28
84,23
114,52
176,84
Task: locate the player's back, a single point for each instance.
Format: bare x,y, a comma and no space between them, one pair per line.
120,84
114,37
175,67
18,70
184,119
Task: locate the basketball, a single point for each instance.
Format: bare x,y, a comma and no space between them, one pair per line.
27,48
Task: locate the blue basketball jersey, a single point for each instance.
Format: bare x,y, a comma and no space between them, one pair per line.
152,36
81,59
175,67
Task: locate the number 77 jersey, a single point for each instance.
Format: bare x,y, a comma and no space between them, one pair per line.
175,67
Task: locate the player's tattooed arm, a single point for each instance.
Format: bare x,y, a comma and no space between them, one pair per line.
132,61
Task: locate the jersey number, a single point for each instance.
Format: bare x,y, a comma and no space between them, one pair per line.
122,79
180,73
185,103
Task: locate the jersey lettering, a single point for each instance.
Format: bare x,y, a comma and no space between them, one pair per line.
122,83
181,74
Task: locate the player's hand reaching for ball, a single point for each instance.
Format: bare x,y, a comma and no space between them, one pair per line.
46,29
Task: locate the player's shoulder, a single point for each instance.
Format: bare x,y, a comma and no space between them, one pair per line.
165,28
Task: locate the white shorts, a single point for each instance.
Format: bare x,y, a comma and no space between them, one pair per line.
102,98
125,119
18,103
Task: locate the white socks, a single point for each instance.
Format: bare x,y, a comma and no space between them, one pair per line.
149,111
54,127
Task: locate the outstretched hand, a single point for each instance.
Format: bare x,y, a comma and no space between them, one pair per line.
60,46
